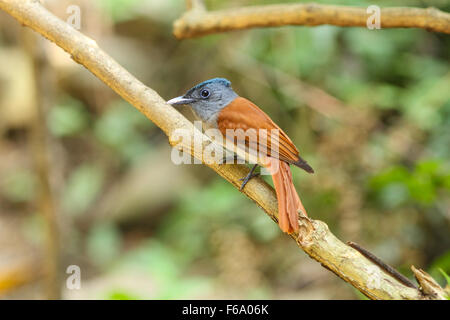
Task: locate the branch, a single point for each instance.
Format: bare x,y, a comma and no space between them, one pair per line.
428,285
41,155
314,236
198,22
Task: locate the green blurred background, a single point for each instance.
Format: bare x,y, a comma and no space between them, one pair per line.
369,110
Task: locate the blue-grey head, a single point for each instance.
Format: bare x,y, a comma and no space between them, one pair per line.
207,98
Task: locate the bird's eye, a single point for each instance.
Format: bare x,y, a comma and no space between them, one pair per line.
205,93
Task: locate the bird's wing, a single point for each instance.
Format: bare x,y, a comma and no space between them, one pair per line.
243,114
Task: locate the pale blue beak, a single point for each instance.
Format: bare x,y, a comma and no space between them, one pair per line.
180,100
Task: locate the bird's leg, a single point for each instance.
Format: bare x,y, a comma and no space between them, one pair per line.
247,178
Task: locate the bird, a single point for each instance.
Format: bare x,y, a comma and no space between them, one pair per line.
218,106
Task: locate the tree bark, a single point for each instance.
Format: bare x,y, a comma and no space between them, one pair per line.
197,21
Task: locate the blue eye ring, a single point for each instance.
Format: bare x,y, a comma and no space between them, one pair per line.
205,93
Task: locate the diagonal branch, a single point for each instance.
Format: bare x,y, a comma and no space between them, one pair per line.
199,22
314,237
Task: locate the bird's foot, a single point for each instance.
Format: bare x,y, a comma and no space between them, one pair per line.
249,176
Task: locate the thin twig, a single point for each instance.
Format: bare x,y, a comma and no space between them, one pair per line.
195,23
43,168
397,275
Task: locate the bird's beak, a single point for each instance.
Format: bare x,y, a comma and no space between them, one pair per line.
180,100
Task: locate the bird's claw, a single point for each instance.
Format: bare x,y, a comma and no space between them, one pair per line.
249,176
253,175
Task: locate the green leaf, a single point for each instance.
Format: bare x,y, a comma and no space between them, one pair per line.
446,276
83,186
68,119
103,244
121,295
19,186
120,128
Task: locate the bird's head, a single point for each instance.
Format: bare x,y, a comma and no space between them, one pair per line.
207,98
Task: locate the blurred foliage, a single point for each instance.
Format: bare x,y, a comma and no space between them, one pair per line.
83,185
18,186
68,119
121,128
399,186
382,165
119,9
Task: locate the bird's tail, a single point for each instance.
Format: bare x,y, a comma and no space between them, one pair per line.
288,200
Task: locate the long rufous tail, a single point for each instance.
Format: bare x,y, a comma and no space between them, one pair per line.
288,200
